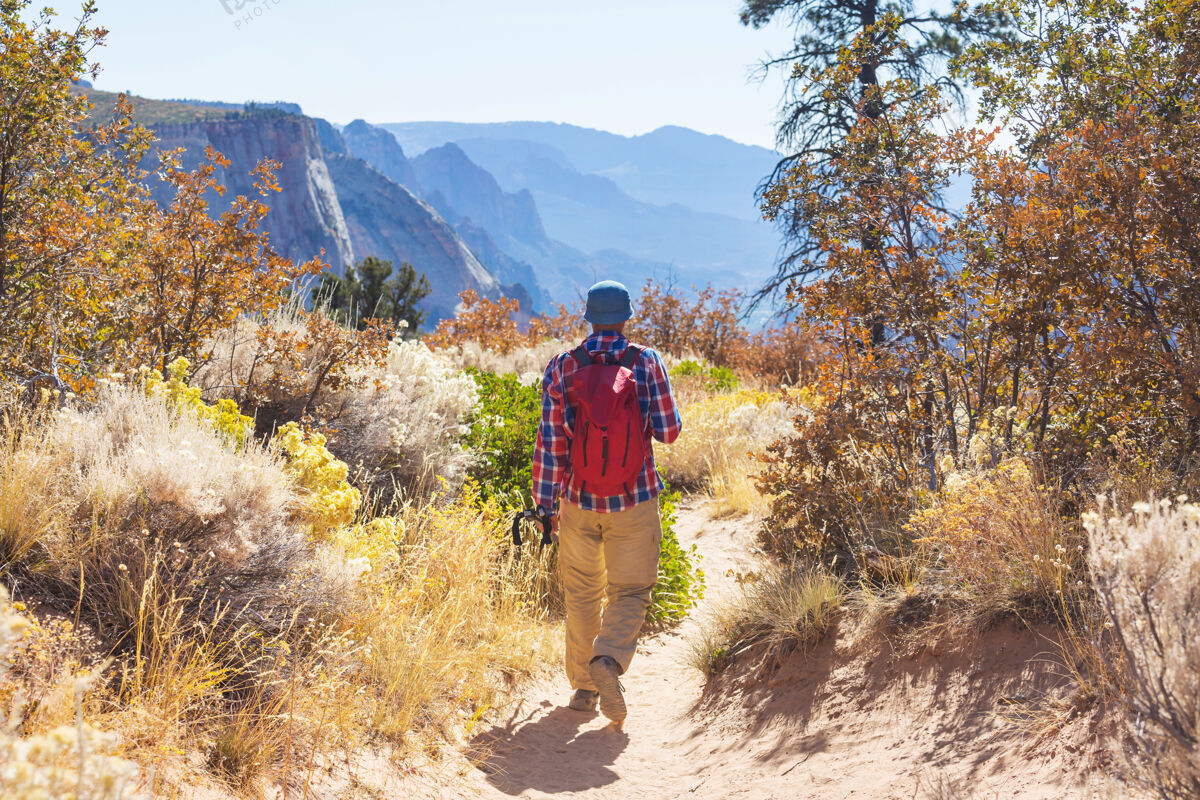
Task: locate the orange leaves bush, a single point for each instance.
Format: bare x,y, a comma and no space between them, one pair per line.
1064,294
479,319
709,326
492,323
192,275
93,273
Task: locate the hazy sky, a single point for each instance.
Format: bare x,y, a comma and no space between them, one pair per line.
626,66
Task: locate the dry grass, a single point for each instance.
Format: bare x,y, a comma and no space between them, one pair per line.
69,759
782,610
451,620
28,505
1146,569
239,629
722,434
999,545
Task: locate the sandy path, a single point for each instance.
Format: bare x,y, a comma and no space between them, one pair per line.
543,749
829,725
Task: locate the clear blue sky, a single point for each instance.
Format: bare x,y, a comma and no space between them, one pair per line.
626,66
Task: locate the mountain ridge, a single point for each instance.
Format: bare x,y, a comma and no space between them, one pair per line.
672,163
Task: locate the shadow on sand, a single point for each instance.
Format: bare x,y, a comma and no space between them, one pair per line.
549,755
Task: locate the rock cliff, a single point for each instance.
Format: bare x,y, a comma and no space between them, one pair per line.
388,221
380,149
305,217
331,201
472,192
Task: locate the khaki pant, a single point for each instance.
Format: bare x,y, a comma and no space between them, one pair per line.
612,554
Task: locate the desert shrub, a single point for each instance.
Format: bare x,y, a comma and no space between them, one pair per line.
1146,570
252,611
1003,543
707,325
835,483
297,366
70,760
171,529
396,414
680,579
565,325
223,416
502,436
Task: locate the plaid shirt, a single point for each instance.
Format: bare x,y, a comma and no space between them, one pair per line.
551,459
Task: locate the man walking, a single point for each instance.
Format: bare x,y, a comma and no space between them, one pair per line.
594,472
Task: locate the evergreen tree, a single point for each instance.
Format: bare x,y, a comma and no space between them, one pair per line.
368,290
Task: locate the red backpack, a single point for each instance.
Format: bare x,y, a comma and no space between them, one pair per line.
608,444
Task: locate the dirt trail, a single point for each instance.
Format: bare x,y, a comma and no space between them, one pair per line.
826,726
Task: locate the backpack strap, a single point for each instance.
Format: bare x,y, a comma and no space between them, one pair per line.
581,355
630,356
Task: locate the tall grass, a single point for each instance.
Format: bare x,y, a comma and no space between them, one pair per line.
722,434
246,620
1146,570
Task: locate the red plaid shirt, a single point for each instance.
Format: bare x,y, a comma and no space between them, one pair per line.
550,458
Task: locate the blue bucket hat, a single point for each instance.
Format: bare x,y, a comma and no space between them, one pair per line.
608,304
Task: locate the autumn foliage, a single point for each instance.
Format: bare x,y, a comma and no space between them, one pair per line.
708,324
1064,295
93,273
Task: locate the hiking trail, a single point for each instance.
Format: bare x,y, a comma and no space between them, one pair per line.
825,726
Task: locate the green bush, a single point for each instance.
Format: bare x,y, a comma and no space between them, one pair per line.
715,379
502,435
680,581
687,368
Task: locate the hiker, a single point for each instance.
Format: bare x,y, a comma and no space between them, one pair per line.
593,471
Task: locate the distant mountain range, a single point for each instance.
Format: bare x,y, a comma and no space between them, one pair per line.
668,165
534,211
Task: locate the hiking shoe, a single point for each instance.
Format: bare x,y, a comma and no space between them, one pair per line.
584,700
606,674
